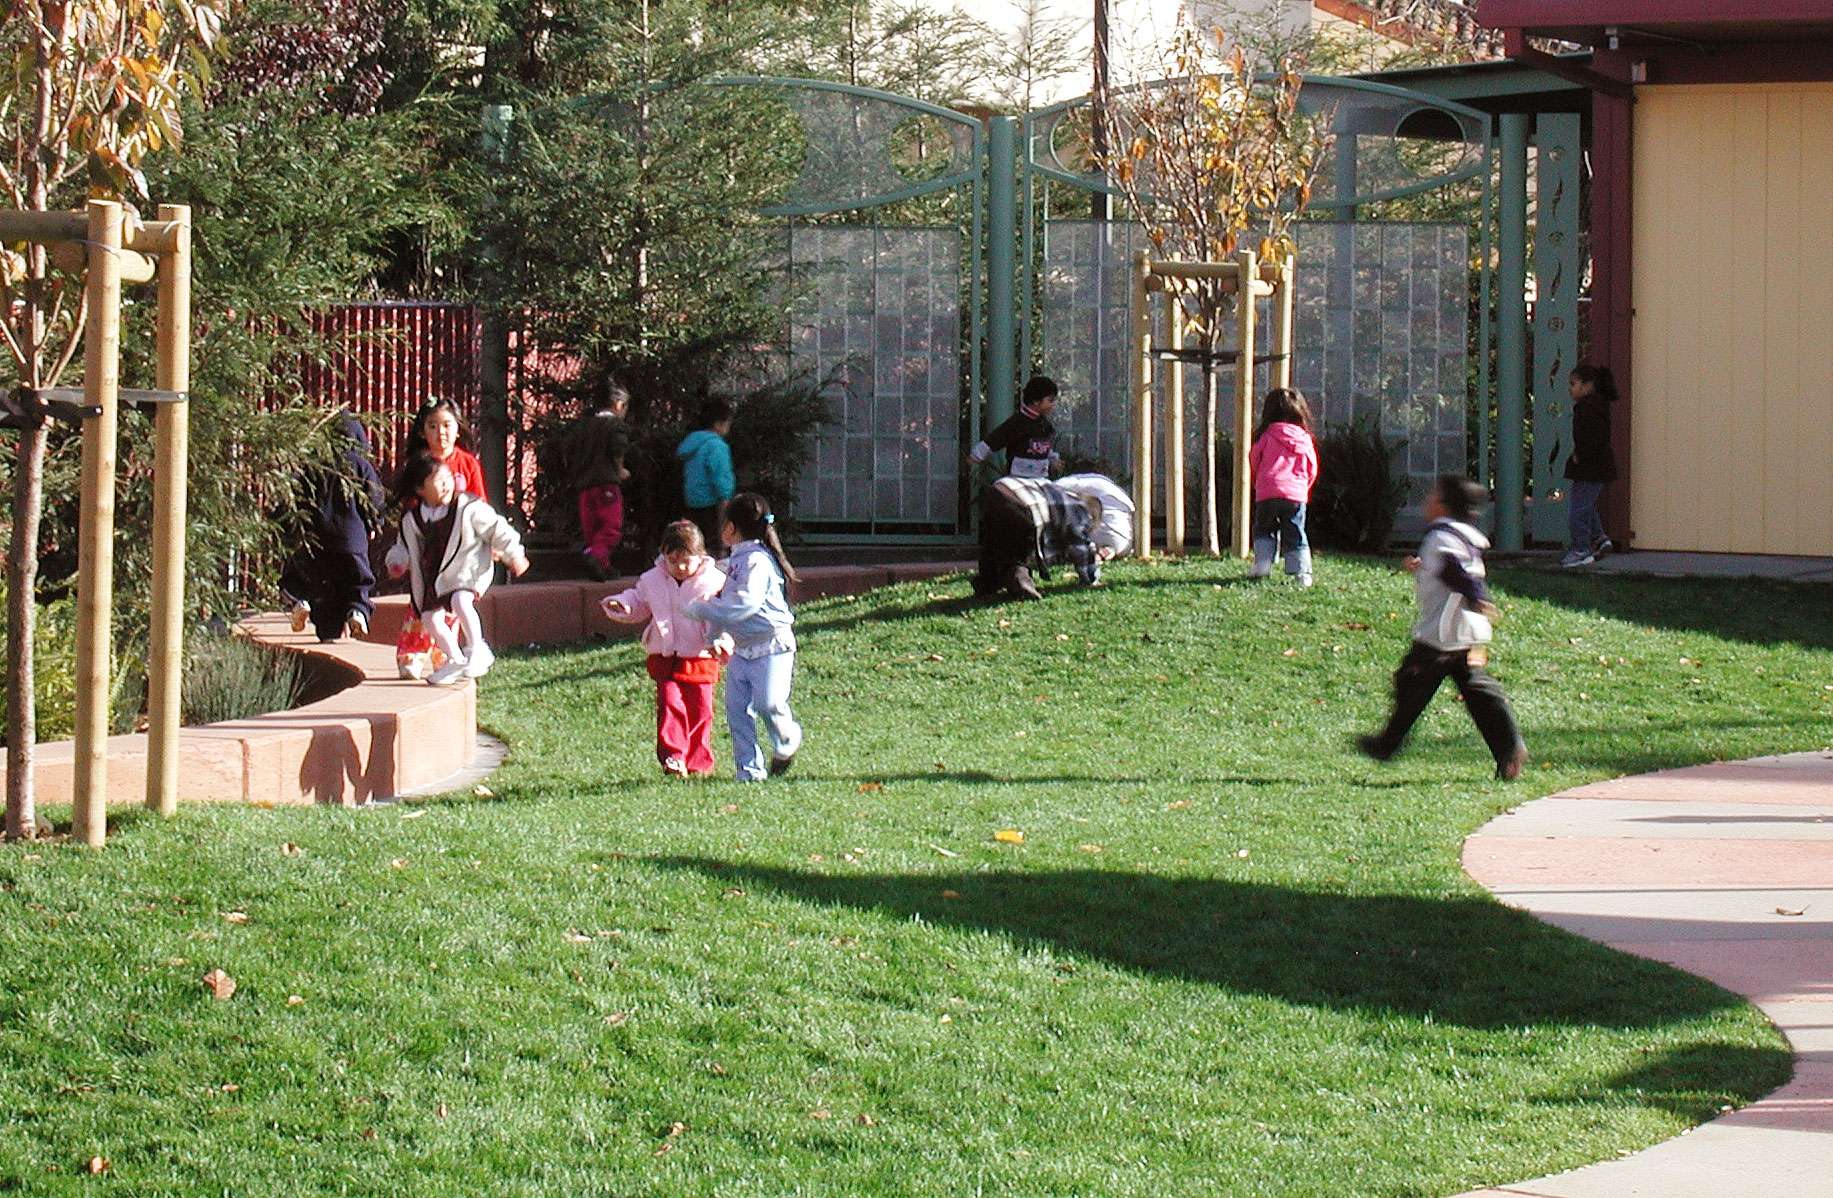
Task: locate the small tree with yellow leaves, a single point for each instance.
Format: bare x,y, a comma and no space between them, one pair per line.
88,88
1211,159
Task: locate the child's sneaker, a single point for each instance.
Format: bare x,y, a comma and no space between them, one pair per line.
1602,547
1371,746
479,663
449,673
357,626
1509,768
1577,557
1304,580
674,767
301,615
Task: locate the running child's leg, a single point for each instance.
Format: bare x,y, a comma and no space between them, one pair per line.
743,680
1415,682
478,657
697,706
772,703
440,629
1489,709
671,724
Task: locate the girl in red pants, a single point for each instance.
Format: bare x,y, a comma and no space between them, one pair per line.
683,659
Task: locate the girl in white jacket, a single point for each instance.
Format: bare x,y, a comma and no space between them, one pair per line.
448,547
683,656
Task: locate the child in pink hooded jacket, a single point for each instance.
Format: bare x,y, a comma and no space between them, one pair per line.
683,660
1283,464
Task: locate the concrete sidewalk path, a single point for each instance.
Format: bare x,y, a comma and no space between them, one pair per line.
1725,871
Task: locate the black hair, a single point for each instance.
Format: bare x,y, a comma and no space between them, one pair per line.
425,416
420,467
1603,383
1038,387
1461,498
749,513
615,393
1284,405
717,408
683,535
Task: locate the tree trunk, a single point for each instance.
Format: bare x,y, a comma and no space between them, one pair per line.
21,619
1212,453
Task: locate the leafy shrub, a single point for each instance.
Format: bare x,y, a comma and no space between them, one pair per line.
231,677
1360,488
54,674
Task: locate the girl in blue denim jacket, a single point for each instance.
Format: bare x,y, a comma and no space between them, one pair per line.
754,608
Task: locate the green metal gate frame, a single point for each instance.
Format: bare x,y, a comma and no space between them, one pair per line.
975,176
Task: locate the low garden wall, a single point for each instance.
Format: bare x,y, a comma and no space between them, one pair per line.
380,734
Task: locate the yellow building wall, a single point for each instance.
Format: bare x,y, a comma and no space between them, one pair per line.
1732,423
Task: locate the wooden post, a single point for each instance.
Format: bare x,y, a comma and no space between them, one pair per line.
171,436
1242,509
1283,301
1142,407
95,540
1174,433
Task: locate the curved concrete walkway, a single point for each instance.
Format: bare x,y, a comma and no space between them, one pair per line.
1725,871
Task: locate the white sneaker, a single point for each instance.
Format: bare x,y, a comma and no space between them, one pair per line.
479,663
449,673
301,614
1304,580
357,626
1577,557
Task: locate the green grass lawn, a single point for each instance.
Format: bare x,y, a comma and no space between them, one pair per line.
1229,957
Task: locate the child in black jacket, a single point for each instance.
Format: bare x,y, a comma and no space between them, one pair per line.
327,580
1592,467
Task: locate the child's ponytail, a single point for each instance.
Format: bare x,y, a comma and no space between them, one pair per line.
750,514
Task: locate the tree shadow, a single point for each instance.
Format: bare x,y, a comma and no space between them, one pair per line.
1760,611
1693,1081
1465,961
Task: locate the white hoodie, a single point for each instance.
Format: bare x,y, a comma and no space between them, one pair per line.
479,538
1449,584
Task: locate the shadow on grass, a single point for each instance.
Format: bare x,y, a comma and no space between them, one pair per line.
1757,610
1465,961
1696,1080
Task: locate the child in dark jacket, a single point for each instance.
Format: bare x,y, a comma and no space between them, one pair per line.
327,580
1027,437
1592,467
1451,636
1026,522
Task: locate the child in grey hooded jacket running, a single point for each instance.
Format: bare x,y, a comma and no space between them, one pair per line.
1451,636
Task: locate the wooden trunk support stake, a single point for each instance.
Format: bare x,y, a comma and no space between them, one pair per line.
171,433
1174,436
1142,407
95,540
1243,507
1282,323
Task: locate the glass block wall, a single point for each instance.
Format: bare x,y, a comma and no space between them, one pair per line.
1381,313
881,309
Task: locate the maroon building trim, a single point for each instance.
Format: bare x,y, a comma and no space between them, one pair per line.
1543,14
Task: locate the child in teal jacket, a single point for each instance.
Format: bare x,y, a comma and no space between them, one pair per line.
706,468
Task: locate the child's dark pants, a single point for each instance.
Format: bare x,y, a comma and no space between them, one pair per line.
1008,540
1418,679
336,581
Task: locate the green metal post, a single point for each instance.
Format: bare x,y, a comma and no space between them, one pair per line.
1511,333
1002,237
1558,154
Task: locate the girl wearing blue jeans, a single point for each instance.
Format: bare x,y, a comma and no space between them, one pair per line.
754,608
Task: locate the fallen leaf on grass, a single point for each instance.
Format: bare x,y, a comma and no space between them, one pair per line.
398,863
944,852
674,1129
1290,653
577,936
231,1088
1091,848
870,787
1177,805
441,1111
1009,836
816,858
821,1113
1791,911
1007,624
235,917
866,1120
220,984
1242,854
951,894
262,804
1062,636
733,892
663,1149
416,813
98,1165
617,1019
289,849
936,657
1356,626
295,1000
483,792
729,809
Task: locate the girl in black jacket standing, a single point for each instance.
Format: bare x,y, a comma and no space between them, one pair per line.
1591,467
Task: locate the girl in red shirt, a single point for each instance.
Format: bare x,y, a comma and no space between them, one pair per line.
441,430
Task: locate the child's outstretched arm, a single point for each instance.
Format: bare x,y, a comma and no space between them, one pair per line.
626,608
743,596
505,543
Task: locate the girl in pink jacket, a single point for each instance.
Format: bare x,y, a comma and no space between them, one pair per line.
683,660
1283,463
